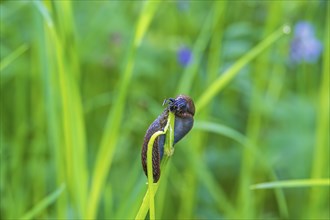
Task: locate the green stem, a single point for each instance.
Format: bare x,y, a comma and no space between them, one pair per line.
150,170
148,200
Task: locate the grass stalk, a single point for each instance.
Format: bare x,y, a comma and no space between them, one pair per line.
53,129
71,124
111,132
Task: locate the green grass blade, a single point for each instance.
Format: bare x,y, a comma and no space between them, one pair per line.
220,129
111,132
12,57
73,117
51,110
228,75
68,101
292,184
44,203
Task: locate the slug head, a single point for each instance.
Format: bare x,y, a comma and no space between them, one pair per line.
182,106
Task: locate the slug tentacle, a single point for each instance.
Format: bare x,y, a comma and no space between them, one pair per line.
184,109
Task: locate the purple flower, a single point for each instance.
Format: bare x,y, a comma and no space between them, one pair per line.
305,46
304,29
184,56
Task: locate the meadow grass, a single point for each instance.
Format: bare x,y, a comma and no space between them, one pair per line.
81,81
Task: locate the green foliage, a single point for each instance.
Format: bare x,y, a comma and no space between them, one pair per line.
81,81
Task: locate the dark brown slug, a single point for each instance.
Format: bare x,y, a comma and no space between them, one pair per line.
184,109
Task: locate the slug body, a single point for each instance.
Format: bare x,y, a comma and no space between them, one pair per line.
184,109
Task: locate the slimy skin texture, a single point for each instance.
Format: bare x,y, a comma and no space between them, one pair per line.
184,109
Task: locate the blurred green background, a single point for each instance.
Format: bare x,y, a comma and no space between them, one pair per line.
81,81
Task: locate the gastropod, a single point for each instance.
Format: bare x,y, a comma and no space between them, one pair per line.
184,110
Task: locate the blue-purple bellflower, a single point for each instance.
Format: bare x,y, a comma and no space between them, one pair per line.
184,56
305,46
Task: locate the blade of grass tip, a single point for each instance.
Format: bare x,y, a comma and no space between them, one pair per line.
44,203
12,57
228,75
201,43
292,184
110,135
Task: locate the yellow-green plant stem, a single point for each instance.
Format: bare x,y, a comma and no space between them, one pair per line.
150,170
148,200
